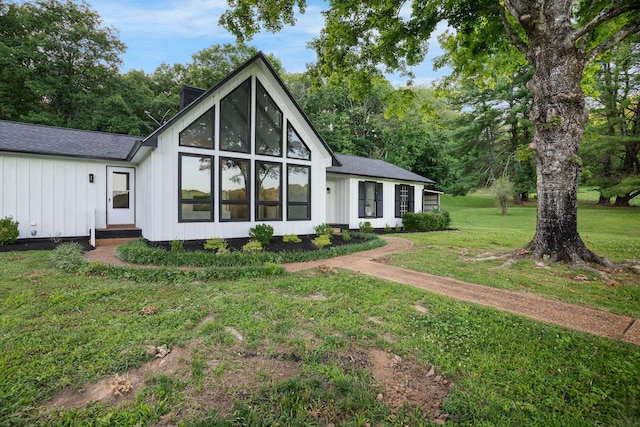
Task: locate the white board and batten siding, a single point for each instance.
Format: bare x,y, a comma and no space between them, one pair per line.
157,175
52,197
346,201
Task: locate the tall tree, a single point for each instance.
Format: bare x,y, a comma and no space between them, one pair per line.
611,150
557,37
58,56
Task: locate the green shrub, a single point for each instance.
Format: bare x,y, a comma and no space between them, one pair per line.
217,245
252,246
263,233
346,236
426,221
365,227
177,246
291,238
69,257
387,228
323,230
8,230
321,241
398,228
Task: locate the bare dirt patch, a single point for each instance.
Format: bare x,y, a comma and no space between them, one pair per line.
232,375
107,388
405,381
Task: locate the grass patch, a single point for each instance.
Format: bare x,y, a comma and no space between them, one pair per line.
61,330
482,233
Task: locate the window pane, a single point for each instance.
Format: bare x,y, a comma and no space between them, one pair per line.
234,119
268,124
234,179
196,212
369,199
269,212
199,133
268,175
298,184
234,212
296,149
120,184
299,212
195,178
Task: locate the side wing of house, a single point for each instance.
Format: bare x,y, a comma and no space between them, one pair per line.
369,190
241,154
56,182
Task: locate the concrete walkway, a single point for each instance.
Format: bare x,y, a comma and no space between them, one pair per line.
536,307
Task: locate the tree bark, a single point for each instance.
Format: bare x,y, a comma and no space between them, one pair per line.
559,114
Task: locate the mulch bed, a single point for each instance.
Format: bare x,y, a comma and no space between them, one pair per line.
276,244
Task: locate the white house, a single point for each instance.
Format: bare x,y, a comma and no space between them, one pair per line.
240,154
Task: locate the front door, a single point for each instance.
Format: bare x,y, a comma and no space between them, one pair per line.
120,195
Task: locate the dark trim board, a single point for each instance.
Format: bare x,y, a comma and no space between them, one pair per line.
44,244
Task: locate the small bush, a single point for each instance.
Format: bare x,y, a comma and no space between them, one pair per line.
323,230
69,257
365,227
321,241
346,236
387,228
291,238
252,246
8,230
177,246
263,233
426,221
398,228
217,245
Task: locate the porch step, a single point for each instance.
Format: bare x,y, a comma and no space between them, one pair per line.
118,233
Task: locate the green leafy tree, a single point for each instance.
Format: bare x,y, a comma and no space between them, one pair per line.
558,38
611,148
57,56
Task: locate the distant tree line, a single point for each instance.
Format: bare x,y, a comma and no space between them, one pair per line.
59,65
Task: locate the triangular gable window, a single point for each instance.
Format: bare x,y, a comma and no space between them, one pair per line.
268,124
200,132
235,113
296,148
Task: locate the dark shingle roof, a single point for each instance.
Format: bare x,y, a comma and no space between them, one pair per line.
55,141
374,168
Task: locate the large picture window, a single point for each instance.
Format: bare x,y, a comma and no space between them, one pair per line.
268,124
200,132
296,148
235,179
370,199
268,191
235,122
195,186
298,192
404,200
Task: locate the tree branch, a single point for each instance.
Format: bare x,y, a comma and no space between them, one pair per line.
605,15
511,32
607,44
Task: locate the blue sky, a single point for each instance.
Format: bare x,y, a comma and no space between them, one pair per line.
171,31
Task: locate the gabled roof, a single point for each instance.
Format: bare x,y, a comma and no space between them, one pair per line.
374,168
48,140
152,140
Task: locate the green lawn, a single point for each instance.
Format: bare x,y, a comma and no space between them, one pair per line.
482,232
304,357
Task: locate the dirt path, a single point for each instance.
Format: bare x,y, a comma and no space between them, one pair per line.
536,307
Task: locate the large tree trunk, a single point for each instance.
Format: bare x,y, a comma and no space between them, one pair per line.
558,114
